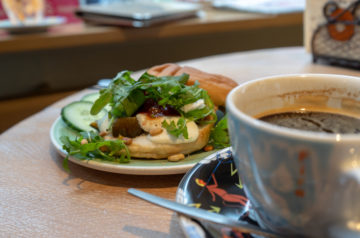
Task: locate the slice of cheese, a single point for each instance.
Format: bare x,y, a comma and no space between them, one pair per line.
148,123
199,104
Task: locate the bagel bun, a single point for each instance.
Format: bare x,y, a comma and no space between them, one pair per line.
143,147
162,144
217,86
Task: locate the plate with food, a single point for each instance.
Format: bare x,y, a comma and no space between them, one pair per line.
162,123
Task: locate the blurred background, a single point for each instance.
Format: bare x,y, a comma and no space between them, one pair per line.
80,42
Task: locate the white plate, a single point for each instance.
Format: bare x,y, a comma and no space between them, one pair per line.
135,166
32,27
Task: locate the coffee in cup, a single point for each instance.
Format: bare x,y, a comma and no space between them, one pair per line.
316,120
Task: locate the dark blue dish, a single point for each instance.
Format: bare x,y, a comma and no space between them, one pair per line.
214,185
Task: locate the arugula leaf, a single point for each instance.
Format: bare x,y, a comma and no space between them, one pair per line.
125,106
101,102
163,89
96,147
200,115
177,129
122,96
219,136
171,90
65,164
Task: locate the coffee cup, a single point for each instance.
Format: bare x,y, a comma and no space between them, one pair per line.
299,182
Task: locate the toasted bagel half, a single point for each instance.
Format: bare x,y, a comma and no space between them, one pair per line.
218,86
142,147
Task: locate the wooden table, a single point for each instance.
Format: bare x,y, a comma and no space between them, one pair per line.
39,199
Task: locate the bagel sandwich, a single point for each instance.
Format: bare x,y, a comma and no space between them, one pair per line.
154,117
158,116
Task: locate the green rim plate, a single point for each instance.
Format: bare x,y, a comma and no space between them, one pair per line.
136,166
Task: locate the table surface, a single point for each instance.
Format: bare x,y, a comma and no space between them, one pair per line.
209,20
39,199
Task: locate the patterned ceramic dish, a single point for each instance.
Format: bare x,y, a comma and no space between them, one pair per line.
213,184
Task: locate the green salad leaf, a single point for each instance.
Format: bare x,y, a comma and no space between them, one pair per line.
173,91
219,136
177,129
101,102
122,95
95,147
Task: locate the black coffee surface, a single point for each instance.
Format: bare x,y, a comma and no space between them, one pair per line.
316,121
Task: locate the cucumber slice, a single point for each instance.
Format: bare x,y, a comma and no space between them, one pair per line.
92,97
77,115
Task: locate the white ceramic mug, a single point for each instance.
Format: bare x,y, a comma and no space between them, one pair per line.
299,182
